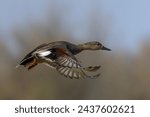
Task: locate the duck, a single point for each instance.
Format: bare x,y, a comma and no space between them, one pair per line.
60,55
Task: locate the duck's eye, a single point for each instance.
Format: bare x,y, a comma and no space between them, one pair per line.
98,44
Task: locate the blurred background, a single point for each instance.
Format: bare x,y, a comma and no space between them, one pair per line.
121,25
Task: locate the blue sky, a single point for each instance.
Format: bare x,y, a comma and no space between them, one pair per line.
130,18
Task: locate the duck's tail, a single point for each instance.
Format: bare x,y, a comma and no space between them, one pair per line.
29,62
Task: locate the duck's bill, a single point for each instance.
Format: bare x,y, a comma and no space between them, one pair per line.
104,48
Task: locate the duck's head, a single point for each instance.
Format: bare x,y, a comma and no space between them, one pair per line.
95,45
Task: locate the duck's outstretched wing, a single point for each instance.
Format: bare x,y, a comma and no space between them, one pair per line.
69,66
69,60
76,73
66,64
60,56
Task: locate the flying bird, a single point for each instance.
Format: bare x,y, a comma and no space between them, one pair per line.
60,55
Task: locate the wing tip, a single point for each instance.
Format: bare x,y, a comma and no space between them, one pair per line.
94,77
92,68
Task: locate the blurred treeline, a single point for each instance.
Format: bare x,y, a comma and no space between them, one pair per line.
123,76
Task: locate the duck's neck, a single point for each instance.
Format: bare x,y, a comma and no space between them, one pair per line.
83,47
75,49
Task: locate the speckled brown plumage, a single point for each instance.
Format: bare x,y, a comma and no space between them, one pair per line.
60,55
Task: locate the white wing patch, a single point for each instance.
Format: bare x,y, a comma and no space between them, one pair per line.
44,53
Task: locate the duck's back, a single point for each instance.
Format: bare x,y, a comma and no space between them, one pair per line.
70,47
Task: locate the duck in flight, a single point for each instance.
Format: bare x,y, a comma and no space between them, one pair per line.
60,55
